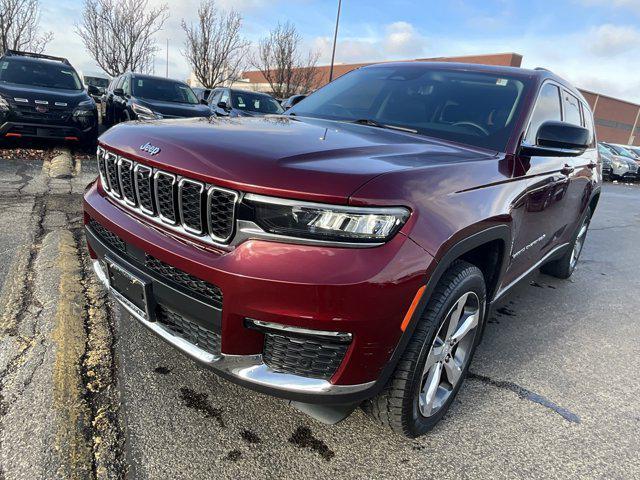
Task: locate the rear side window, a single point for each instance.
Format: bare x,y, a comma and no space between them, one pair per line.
588,123
547,108
571,109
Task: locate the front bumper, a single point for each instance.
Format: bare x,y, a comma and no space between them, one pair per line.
48,131
365,292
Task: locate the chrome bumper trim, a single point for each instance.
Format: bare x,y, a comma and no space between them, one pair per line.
248,368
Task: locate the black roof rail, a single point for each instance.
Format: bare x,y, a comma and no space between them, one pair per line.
543,69
18,53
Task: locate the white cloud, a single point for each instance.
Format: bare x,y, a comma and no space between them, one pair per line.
398,40
607,40
633,5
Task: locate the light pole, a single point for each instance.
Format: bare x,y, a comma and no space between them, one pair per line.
335,38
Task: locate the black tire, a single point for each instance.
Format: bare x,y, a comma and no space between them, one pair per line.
397,406
565,266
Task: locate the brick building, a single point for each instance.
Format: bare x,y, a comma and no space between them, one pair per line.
617,121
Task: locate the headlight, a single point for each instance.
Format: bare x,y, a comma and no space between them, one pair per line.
85,108
4,105
144,113
326,222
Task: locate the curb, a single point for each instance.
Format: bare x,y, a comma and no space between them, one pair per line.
61,165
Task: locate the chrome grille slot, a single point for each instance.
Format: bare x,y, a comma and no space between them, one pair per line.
143,177
111,167
164,184
125,171
183,205
220,213
101,168
190,205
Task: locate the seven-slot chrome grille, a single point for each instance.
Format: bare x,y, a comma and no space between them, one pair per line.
193,208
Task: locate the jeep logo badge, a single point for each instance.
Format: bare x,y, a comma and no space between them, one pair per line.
150,149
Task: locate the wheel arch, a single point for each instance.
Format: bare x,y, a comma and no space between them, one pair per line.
497,235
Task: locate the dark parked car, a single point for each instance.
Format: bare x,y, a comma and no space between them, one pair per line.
133,96
228,102
292,101
348,253
42,96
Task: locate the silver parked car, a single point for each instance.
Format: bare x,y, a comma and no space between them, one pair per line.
623,167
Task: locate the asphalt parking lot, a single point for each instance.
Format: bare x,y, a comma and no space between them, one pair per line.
553,392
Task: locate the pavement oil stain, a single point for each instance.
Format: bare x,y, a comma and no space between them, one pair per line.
536,284
506,311
250,437
303,438
525,394
162,370
233,455
198,401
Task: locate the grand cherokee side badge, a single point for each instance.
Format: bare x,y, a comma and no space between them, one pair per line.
150,149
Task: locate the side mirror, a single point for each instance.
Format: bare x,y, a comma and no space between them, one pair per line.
118,92
203,101
558,139
223,105
93,90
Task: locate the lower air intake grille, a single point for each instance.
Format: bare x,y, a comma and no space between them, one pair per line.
106,236
303,356
183,279
193,333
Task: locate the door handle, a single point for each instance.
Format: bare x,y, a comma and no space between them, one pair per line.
592,165
567,170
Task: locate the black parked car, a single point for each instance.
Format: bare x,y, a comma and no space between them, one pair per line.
133,96
43,96
292,101
228,102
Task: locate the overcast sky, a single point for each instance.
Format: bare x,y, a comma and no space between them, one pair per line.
593,43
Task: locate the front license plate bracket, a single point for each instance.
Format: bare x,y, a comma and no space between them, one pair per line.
131,289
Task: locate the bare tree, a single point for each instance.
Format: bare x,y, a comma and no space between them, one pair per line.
20,26
214,46
283,65
119,34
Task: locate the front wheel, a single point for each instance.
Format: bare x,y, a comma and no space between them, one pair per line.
565,265
435,363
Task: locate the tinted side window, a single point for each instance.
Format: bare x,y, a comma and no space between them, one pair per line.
571,109
588,123
547,108
214,97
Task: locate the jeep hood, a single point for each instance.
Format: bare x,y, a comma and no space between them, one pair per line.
280,155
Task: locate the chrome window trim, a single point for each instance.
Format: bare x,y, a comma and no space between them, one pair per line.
156,175
181,183
138,168
122,161
236,201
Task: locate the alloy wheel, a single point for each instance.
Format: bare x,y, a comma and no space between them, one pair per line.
449,354
578,244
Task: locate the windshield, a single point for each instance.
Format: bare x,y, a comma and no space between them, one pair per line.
473,108
618,150
39,74
251,102
96,81
163,90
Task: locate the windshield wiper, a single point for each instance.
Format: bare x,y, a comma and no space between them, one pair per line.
373,123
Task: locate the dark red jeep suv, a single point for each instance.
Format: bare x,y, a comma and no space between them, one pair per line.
347,252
